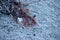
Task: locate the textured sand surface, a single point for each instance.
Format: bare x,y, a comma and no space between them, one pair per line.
48,17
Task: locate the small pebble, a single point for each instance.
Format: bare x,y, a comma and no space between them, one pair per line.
34,35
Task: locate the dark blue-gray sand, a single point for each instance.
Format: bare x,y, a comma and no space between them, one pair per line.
48,17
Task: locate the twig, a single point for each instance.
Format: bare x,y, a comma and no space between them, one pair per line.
5,6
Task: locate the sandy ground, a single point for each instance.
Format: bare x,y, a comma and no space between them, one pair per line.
48,13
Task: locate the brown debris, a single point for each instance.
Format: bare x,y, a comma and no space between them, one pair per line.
18,10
